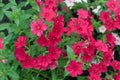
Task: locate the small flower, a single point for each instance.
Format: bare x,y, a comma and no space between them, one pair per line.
74,68
37,27
39,2
112,5
47,13
96,10
21,42
102,29
1,43
94,77
69,3
117,41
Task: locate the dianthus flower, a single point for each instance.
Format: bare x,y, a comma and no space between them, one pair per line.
21,42
47,13
74,68
37,27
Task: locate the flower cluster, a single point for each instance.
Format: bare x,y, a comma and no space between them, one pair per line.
43,61
88,49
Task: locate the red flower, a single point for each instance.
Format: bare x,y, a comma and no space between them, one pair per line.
28,62
116,65
21,42
117,76
77,47
43,62
74,68
20,54
111,40
83,14
39,2
53,65
112,5
37,27
94,77
47,13
107,57
58,30
51,3
54,53
109,24
87,54
117,22
1,43
58,19
104,16
101,46
53,40
42,41
60,1
117,12
97,68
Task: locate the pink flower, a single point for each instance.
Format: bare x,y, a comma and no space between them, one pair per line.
87,54
53,65
54,53
51,3
117,76
39,2
58,30
43,62
112,5
94,77
47,13
77,47
101,46
28,62
37,27
20,54
104,16
115,64
98,68
1,43
111,40
117,12
109,24
42,41
53,40
21,42
83,14
74,68
107,57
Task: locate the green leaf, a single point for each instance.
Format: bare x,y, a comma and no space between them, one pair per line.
1,15
70,53
82,78
66,73
5,26
25,16
54,76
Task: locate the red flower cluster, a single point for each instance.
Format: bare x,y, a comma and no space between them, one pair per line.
110,24
49,8
87,49
1,43
43,61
